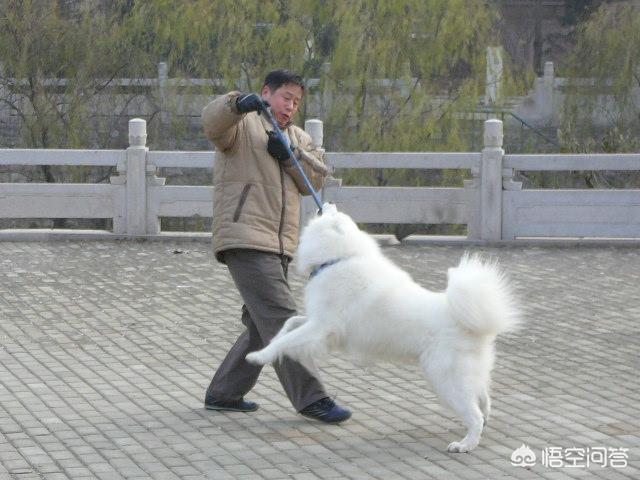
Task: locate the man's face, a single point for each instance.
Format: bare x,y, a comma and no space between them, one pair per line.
284,101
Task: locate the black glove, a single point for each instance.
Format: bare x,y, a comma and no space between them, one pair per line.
250,102
276,148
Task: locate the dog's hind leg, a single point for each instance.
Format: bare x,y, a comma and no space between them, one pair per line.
484,402
465,404
457,392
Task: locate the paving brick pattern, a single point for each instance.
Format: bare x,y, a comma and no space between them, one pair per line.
106,349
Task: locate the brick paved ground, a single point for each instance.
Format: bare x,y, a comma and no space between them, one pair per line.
106,349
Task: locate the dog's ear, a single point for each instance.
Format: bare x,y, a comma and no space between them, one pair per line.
329,209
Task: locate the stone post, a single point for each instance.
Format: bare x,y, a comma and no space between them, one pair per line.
136,183
4,95
315,128
326,92
163,76
494,75
544,94
491,182
549,87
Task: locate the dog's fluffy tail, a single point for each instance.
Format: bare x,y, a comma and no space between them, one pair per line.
480,297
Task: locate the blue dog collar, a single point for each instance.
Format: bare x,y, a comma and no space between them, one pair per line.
317,270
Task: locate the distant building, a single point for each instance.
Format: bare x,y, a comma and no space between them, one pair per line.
536,31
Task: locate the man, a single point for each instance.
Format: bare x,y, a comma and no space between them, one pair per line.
256,212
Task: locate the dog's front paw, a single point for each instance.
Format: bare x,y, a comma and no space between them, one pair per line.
458,447
257,358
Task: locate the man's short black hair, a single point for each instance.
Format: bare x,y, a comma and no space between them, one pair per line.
277,78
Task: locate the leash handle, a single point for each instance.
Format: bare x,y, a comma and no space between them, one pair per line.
296,162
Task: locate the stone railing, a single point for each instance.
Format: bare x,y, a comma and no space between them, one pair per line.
492,205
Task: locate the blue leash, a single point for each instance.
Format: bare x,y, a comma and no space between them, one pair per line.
296,162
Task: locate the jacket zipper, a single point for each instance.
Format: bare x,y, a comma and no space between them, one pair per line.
282,211
243,198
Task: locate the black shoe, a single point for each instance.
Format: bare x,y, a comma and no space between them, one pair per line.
326,410
231,405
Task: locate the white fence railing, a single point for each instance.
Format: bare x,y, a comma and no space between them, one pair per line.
492,205
606,213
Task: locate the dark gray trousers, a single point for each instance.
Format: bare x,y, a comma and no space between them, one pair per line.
261,279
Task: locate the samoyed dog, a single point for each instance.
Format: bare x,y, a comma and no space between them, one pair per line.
359,302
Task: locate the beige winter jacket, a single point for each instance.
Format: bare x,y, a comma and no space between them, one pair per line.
256,201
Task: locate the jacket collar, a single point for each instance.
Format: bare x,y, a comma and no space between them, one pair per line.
319,268
268,126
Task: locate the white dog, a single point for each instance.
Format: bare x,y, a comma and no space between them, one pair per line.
358,301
